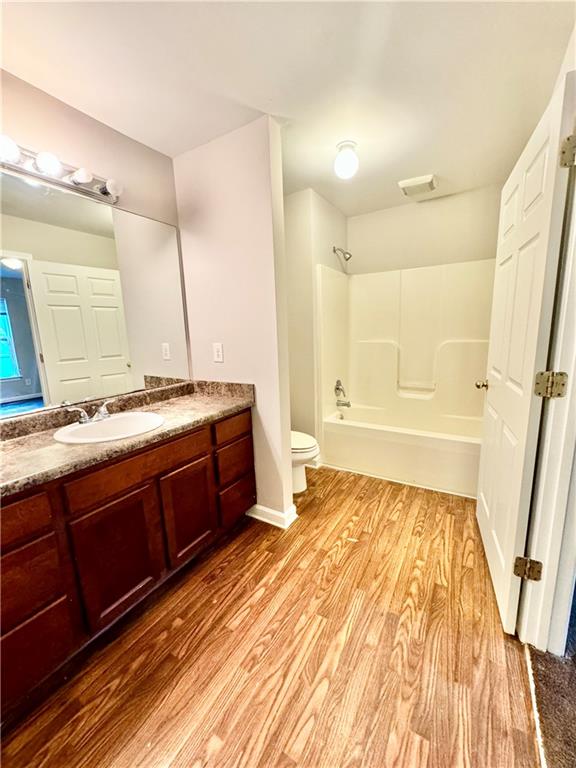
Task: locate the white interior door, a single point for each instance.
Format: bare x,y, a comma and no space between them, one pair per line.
82,330
532,207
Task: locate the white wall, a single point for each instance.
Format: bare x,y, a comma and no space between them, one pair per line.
300,282
45,242
313,226
333,334
149,266
38,121
228,194
457,228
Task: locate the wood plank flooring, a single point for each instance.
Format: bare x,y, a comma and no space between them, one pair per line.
365,636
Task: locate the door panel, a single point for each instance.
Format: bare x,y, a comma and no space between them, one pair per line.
119,554
526,261
82,330
188,500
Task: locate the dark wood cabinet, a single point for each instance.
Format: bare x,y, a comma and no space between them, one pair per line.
22,592
78,553
35,648
41,616
118,553
189,505
237,499
235,460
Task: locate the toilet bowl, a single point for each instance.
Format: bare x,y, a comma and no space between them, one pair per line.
304,450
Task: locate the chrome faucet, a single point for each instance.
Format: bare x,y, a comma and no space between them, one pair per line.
340,393
84,418
102,411
99,414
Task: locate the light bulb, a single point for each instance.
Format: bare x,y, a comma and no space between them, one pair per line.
12,264
9,150
81,176
48,164
112,187
346,162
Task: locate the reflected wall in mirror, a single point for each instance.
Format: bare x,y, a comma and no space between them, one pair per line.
90,298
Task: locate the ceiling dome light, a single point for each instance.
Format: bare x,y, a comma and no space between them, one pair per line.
346,162
81,176
12,264
9,150
48,164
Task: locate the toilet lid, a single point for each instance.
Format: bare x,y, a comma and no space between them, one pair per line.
302,442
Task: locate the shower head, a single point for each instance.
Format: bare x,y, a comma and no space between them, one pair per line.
346,255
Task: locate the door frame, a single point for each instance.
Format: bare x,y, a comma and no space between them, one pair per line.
544,610
26,258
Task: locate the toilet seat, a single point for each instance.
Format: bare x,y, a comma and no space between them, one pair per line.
301,442
304,449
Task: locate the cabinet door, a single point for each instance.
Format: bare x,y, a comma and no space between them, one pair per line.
119,554
190,515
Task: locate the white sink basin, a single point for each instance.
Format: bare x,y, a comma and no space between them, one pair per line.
115,427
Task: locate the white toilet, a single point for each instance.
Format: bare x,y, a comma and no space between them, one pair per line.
304,450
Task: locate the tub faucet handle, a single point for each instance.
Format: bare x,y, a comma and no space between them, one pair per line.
339,390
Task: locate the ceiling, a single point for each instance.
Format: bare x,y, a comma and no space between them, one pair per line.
447,88
39,202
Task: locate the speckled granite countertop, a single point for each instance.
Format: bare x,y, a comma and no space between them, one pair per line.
37,458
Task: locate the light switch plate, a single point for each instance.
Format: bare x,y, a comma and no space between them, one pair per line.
218,352
166,351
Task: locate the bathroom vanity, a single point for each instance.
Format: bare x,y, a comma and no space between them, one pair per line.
96,530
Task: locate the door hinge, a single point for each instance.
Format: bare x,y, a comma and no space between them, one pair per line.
41,356
568,152
550,384
531,570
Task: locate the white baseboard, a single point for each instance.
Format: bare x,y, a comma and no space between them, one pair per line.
273,516
534,701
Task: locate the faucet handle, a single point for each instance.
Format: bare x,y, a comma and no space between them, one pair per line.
339,388
84,418
102,411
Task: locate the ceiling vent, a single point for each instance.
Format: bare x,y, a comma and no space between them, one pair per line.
419,185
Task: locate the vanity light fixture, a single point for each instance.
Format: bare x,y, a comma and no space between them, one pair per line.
48,164
346,162
112,187
80,176
35,167
9,150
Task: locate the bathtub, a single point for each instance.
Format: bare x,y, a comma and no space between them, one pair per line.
442,453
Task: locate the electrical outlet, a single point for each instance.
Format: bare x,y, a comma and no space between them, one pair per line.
218,352
28,382
166,351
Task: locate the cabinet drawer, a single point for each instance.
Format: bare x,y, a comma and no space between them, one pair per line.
35,648
23,520
234,427
237,499
101,485
31,578
235,460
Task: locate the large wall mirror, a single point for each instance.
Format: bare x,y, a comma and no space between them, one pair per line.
91,300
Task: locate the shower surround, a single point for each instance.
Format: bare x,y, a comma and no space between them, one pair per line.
409,344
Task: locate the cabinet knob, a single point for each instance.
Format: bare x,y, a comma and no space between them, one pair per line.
482,384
